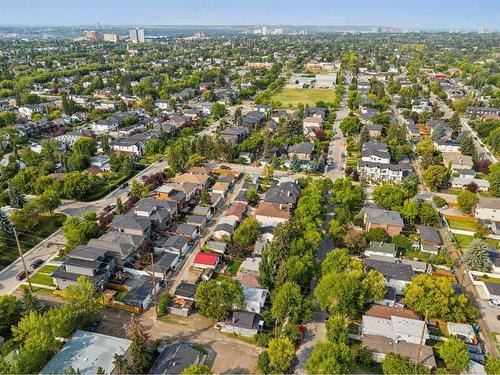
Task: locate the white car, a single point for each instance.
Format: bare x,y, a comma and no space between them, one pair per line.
494,302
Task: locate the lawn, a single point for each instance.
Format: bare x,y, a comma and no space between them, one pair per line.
42,276
487,279
462,223
351,163
105,187
119,295
232,266
47,225
463,240
293,97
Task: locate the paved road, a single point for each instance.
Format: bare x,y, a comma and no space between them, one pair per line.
337,146
44,250
80,208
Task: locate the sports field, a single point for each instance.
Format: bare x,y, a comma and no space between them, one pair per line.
309,96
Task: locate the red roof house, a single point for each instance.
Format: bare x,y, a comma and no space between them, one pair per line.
206,260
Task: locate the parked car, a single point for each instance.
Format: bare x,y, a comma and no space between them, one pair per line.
124,185
36,263
21,276
494,302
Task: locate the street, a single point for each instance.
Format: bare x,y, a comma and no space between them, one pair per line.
336,150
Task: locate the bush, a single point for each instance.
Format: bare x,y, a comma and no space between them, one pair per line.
262,339
165,299
439,201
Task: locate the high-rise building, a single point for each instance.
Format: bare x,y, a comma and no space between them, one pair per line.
90,35
264,30
111,37
136,35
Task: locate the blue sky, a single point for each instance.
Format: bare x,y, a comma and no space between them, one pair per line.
403,13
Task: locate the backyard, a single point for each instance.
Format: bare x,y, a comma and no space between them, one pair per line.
48,224
42,276
293,97
462,223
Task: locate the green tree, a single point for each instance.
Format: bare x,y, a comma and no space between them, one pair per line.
337,329
455,354
355,241
6,230
216,299
78,185
252,197
154,146
467,201
436,297
197,370
330,358
85,146
351,125
119,206
492,365
141,357
297,269
48,201
377,235
10,311
396,364
435,176
390,196
339,260
374,285
336,231
428,215
341,293
247,232
205,198
281,353
30,302
410,210
288,302
476,256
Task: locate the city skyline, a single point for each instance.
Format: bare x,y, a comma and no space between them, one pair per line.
413,14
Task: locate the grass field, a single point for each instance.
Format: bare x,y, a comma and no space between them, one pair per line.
43,276
232,266
293,97
462,223
47,226
463,240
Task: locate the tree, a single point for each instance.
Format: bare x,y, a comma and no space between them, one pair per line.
337,329
492,365
85,146
374,285
396,364
281,353
476,256
78,231
140,355
436,297
77,185
377,235
121,364
428,215
467,146
163,303
288,302
435,176
390,196
216,299
205,198
252,197
197,370
455,354
16,198
339,260
6,230
402,242
30,302
297,269
355,241
9,311
467,201
295,163
350,125
330,358
119,206
48,201
247,232
336,231
154,146
410,210
218,110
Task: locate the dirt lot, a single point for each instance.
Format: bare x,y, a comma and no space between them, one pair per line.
232,355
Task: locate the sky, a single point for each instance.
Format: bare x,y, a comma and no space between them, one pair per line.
445,14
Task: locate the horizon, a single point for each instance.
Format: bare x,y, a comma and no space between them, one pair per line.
405,14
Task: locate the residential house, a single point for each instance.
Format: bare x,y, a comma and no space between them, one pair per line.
176,244
206,260
382,249
397,275
199,221
374,130
96,264
234,135
487,209
302,150
430,239
248,272
236,211
187,230
130,224
216,246
382,172
121,245
225,228
155,211
284,193
254,298
242,323
221,188
457,161
463,183
269,213
447,145
28,110
390,221
176,357
129,145
311,123
203,211
101,162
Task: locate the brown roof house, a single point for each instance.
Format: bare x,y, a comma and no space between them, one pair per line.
390,221
269,213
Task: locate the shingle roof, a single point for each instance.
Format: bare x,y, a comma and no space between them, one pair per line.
397,271
380,216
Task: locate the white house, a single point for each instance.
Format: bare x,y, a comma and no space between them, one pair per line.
488,209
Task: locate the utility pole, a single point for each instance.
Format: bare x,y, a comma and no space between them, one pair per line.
22,261
154,282
419,351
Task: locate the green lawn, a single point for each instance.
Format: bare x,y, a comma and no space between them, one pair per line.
47,226
232,266
120,294
105,187
43,276
293,97
462,223
487,279
463,240
351,163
